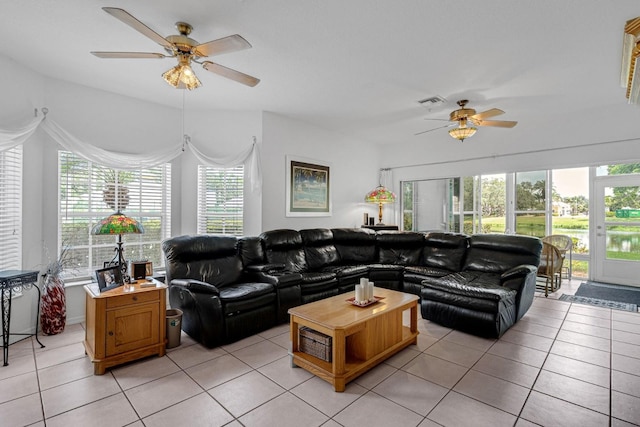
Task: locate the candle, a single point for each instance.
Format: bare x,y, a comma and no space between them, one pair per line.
359,293
370,290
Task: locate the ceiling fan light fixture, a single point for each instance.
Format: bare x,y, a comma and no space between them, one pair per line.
633,91
629,73
182,76
462,133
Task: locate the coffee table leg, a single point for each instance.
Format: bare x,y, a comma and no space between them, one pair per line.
414,319
293,345
339,357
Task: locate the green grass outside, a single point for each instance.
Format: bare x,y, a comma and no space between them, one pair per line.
627,256
564,222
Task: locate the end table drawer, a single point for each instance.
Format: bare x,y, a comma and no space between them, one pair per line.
135,298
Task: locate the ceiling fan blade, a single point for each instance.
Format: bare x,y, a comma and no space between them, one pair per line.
128,55
495,123
486,114
439,127
223,45
437,120
245,79
131,21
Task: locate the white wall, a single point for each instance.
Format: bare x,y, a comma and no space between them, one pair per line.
22,91
354,172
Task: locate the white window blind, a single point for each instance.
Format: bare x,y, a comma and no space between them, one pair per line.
11,209
220,200
89,192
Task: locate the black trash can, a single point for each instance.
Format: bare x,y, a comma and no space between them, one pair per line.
174,322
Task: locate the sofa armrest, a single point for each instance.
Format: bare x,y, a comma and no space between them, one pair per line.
196,286
522,279
518,271
202,313
264,268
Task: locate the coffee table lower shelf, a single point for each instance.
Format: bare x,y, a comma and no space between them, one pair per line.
353,367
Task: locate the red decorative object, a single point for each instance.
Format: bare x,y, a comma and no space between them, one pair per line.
53,307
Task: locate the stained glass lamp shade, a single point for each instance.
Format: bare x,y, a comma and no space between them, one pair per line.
119,224
380,195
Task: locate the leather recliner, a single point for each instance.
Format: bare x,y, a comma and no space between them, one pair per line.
207,282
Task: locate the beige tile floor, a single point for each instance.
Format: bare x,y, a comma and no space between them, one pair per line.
563,364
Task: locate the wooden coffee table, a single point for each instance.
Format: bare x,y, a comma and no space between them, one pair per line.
362,337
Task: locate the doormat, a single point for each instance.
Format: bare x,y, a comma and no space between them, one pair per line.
600,302
609,292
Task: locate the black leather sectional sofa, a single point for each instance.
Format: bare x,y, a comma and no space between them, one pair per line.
229,288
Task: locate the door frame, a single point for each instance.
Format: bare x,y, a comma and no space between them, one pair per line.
601,268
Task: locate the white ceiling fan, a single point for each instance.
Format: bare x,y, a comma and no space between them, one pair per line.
185,49
462,116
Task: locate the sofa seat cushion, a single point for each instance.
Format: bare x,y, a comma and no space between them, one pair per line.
469,291
243,297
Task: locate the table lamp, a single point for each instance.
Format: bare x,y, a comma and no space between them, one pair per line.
119,224
380,195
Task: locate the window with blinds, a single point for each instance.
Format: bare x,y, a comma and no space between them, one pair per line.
11,209
89,192
220,200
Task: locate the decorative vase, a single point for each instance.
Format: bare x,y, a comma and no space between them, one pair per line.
53,306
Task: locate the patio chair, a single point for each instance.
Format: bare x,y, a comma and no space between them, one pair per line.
550,267
565,245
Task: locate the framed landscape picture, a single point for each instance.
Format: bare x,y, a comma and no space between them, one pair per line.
308,187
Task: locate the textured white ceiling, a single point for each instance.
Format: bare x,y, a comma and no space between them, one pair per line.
356,66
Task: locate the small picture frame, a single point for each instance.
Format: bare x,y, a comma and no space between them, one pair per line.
109,278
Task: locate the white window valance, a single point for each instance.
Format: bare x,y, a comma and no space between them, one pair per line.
13,138
250,156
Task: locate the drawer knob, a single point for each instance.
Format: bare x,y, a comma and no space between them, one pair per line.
135,298
110,333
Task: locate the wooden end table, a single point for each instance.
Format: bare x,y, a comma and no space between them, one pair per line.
362,337
124,324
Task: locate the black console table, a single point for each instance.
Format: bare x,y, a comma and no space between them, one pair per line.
10,280
381,227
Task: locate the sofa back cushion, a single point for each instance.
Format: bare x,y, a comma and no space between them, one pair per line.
284,247
355,245
319,249
444,250
497,253
211,259
251,250
399,247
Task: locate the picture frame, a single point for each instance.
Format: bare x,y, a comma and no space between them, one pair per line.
308,187
109,278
